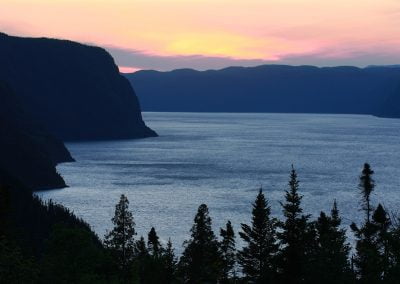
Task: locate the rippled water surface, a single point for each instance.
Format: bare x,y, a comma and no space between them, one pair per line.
222,160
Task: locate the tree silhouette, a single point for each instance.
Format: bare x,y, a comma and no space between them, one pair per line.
382,223
331,263
367,259
228,252
153,243
393,273
142,261
295,235
257,256
367,186
201,260
120,240
170,263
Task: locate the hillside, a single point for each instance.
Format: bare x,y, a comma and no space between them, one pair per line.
74,90
28,152
269,88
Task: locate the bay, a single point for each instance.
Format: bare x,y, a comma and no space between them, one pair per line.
222,159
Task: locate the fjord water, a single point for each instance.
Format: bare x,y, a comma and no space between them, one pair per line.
222,160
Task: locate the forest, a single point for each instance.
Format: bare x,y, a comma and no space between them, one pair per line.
43,242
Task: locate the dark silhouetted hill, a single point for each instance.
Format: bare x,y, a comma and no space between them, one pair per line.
27,151
269,88
391,107
74,90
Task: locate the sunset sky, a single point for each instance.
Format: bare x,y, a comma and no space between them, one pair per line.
209,34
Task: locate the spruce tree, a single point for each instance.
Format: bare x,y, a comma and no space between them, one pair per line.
382,223
367,186
120,240
201,260
367,259
228,252
331,263
295,236
142,262
140,249
257,256
394,252
170,263
153,243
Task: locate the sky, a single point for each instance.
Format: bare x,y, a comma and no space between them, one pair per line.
213,34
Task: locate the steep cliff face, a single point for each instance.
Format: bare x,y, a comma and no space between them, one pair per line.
27,151
268,88
74,90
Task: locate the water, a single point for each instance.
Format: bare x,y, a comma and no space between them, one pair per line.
222,160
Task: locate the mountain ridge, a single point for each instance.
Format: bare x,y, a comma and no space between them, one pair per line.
269,88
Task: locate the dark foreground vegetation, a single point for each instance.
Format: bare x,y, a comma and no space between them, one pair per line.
44,243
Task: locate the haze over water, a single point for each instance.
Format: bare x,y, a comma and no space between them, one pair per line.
222,160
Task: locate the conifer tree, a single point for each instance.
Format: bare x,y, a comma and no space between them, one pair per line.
367,186
367,259
257,256
201,261
170,263
295,236
382,223
153,243
394,252
140,249
331,259
228,252
142,261
120,240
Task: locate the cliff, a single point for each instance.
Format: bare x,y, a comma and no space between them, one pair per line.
75,91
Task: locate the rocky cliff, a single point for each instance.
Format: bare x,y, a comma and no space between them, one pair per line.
74,90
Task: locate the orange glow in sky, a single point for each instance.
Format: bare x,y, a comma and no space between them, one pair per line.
324,32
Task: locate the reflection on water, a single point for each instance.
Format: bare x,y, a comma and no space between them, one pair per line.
222,160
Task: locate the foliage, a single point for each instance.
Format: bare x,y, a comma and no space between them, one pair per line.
228,253
257,258
42,242
296,236
330,260
201,259
119,241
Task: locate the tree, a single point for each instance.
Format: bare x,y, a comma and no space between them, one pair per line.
140,249
331,263
257,256
170,263
153,243
393,273
367,185
382,223
296,236
368,258
71,256
142,261
228,252
201,261
15,266
120,241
